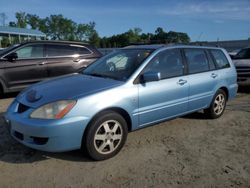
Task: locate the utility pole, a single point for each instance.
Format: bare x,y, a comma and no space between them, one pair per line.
3,17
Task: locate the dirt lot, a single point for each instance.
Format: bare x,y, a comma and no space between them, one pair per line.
186,152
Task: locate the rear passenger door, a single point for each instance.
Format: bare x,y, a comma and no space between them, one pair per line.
65,58
203,78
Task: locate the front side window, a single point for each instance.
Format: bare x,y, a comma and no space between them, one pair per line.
119,65
32,51
220,59
197,60
168,63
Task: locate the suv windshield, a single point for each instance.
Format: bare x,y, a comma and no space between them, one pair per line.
243,54
118,65
8,48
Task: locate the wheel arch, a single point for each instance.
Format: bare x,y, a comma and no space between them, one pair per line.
225,89
118,110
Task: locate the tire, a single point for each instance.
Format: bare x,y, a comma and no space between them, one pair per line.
105,136
217,106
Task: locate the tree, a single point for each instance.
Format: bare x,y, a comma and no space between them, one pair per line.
85,31
59,28
21,19
33,21
94,39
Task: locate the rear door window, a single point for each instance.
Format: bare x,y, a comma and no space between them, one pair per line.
220,59
54,50
197,60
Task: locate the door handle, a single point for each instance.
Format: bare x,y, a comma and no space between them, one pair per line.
42,63
181,82
76,59
213,75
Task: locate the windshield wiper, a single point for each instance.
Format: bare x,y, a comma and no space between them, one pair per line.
101,75
96,75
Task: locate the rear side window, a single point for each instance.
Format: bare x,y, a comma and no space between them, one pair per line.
83,51
197,60
65,50
168,63
220,59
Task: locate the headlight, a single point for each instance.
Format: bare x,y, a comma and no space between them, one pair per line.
55,110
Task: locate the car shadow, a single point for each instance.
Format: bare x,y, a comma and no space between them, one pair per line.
244,89
196,115
13,152
9,95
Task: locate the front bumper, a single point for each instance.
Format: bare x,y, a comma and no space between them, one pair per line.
243,81
46,135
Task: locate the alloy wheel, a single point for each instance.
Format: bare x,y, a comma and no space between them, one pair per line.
108,137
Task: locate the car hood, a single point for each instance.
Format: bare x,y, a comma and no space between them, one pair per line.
241,62
67,87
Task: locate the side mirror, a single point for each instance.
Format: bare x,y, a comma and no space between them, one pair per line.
11,57
151,76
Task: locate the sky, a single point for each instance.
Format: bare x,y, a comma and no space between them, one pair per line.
203,20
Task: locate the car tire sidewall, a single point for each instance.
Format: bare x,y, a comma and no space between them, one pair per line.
90,134
210,111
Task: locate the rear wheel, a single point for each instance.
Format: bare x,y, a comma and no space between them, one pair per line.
217,106
106,136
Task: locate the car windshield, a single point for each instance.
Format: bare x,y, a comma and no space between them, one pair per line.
118,65
8,48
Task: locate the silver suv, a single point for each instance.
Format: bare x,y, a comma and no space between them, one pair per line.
242,64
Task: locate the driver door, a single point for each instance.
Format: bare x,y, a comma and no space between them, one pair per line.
29,66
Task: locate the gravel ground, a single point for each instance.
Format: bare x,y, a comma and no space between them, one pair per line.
185,152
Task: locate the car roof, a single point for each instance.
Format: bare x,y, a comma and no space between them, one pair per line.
56,42
150,46
166,46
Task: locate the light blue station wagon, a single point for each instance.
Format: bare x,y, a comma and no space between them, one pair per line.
128,89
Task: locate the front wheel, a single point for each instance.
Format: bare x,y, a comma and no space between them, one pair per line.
106,135
217,106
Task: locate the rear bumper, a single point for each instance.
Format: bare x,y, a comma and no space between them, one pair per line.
47,135
232,91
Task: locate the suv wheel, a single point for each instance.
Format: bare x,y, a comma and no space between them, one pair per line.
217,106
106,136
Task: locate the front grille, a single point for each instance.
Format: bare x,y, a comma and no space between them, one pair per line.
243,71
22,108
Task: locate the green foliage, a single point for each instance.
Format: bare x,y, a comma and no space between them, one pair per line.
134,36
33,21
5,42
57,27
21,19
